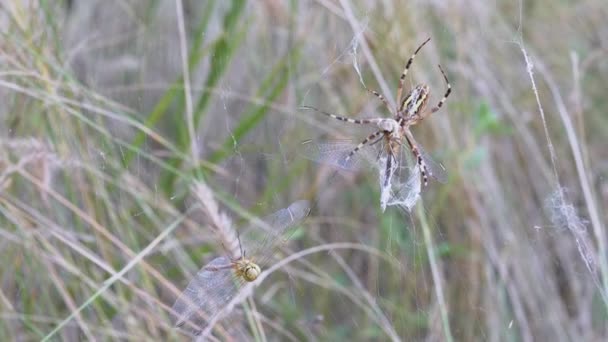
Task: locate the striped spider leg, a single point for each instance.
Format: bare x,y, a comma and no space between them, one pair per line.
350,156
428,167
388,132
387,123
370,139
407,68
412,110
409,110
413,107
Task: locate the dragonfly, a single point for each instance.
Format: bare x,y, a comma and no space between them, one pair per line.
219,281
393,133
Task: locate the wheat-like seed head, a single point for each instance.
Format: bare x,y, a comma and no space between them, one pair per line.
219,221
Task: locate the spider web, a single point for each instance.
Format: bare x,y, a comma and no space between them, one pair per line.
400,184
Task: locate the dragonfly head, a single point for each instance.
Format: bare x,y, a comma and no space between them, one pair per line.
248,269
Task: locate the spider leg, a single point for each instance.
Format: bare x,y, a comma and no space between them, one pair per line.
361,144
381,97
401,121
407,66
421,164
377,141
343,118
419,160
447,92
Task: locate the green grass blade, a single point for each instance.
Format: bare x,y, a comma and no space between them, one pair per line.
175,93
221,53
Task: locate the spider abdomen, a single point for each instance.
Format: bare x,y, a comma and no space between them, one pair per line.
414,103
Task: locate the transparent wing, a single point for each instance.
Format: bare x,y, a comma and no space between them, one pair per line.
206,294
261,240
435,169
335,153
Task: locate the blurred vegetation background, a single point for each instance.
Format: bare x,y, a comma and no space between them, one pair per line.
112,111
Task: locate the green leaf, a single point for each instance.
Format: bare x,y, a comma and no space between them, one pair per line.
487,122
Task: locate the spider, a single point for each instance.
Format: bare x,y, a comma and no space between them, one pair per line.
410,110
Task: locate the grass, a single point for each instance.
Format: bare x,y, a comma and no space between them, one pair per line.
112,117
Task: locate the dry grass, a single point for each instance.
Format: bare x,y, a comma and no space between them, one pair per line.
119,121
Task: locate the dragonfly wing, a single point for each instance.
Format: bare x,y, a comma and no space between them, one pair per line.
435,169
261,238
336,154
206,294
